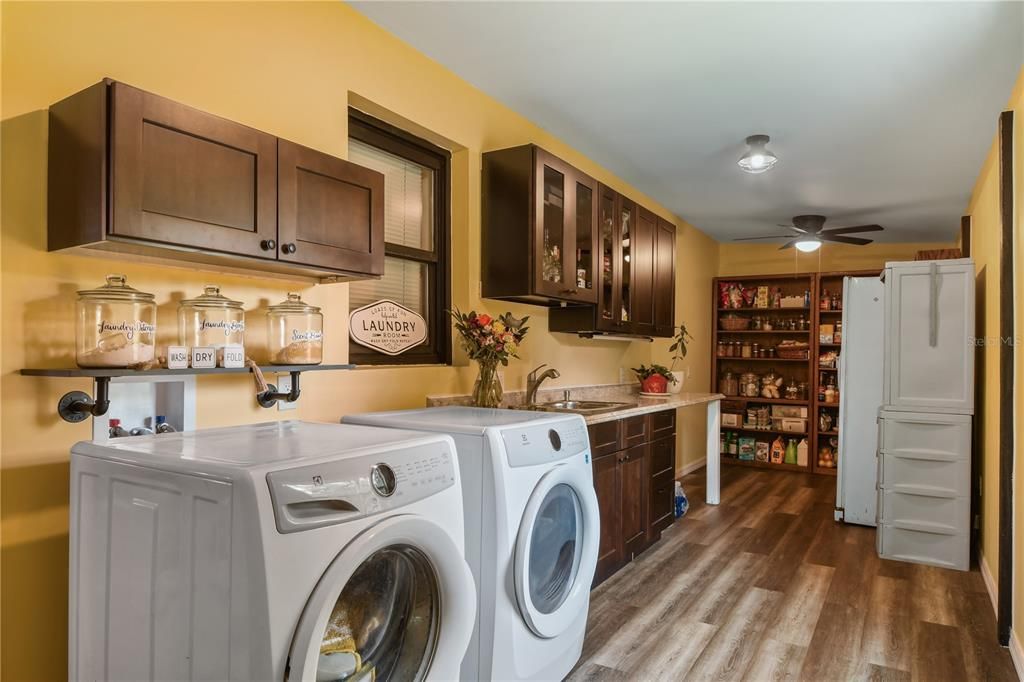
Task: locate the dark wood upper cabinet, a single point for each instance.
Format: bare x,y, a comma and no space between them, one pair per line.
665,279
636,274
184,177
540,229
327,215
139,175
643,272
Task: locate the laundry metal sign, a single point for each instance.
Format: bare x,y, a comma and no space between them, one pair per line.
387,327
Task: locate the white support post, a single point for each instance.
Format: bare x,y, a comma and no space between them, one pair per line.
714,461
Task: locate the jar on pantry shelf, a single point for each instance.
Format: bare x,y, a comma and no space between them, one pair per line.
746,349
722,349
728,384
295,331
750,385
211,320
116,325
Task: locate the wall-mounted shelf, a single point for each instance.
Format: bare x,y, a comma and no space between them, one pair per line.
76,406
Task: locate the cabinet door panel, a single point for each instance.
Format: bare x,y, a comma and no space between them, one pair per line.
604,438
626,225
635,485
331,211
608,489
643,272
634,430
664,279
584,245
187,178
663,456
661,504
552,224
608,286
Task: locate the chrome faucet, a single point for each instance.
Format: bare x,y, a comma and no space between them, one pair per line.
533,382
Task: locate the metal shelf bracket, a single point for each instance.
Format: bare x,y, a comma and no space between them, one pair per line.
77,406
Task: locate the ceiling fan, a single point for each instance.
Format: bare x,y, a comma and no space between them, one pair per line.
809,233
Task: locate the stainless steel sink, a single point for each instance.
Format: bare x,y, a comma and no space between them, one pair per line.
581,406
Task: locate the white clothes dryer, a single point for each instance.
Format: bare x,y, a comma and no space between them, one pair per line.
280,551
532,533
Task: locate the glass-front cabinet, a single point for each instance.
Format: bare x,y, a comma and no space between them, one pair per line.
540,229
565,236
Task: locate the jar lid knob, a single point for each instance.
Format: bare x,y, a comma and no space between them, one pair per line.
294,297
211,290
116,280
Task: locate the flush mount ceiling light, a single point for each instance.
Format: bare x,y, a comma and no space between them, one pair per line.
808,245
758,159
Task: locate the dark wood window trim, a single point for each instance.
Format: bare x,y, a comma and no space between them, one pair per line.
438,348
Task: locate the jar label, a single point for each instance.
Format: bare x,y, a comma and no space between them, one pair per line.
126,327
306,335
229,327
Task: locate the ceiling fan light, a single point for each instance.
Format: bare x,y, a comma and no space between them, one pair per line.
758,159
808,245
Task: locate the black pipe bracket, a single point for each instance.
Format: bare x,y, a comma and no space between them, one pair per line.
77,406
270,397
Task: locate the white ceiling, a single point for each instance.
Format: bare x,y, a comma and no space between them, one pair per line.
878,112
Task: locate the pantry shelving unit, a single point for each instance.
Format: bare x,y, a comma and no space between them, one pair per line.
76,406
817,377
799,370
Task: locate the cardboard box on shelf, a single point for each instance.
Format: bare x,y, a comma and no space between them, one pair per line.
825,332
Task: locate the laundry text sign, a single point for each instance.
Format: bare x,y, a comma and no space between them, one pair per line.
387,327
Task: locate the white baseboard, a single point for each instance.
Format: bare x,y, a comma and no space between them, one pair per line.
990,582
1017,654
692,466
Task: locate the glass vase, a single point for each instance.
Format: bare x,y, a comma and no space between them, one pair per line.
487,390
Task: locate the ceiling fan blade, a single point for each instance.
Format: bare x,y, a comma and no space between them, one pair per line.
844,240
774,236
789,244
855,228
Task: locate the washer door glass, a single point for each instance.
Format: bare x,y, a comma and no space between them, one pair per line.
555,548
385,623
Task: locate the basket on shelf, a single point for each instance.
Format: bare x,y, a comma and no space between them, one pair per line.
734,323
793,350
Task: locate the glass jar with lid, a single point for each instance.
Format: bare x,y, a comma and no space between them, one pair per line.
211,320
728,384
116,325
295,331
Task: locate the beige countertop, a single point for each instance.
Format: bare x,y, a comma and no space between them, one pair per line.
644,405
621,393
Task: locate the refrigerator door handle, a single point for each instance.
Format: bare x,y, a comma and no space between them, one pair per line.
933,305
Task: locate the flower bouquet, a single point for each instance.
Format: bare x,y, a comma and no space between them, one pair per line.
489,341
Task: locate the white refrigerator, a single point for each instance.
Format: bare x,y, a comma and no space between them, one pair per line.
924,431
860,391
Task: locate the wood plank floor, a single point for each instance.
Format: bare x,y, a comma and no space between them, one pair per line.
766,586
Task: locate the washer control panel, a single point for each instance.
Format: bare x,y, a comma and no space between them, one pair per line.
545,443
350,488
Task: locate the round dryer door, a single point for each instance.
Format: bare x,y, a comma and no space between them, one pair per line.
556,550
398,603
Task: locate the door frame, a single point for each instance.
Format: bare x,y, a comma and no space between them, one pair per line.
1004,608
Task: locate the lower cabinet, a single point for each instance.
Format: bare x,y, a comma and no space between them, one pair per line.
634,484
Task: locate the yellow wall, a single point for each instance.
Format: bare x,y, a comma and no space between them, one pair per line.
767,259
985,248
291,70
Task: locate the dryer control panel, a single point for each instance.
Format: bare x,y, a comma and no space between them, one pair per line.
351,488
545,443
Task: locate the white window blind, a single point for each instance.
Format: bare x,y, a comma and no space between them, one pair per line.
408,195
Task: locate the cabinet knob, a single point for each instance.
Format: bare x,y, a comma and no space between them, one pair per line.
288,248
268,245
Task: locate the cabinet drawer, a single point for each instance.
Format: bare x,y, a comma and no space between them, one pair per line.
635,431
949,515
935,549
663,424
937,437
604,438
663,456
935,477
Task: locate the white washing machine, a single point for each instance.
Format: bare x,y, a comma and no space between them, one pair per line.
276,551
532,533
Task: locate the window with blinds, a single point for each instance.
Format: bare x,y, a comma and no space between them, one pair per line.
416,230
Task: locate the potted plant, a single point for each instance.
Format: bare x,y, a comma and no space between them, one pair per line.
654,379
678,350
